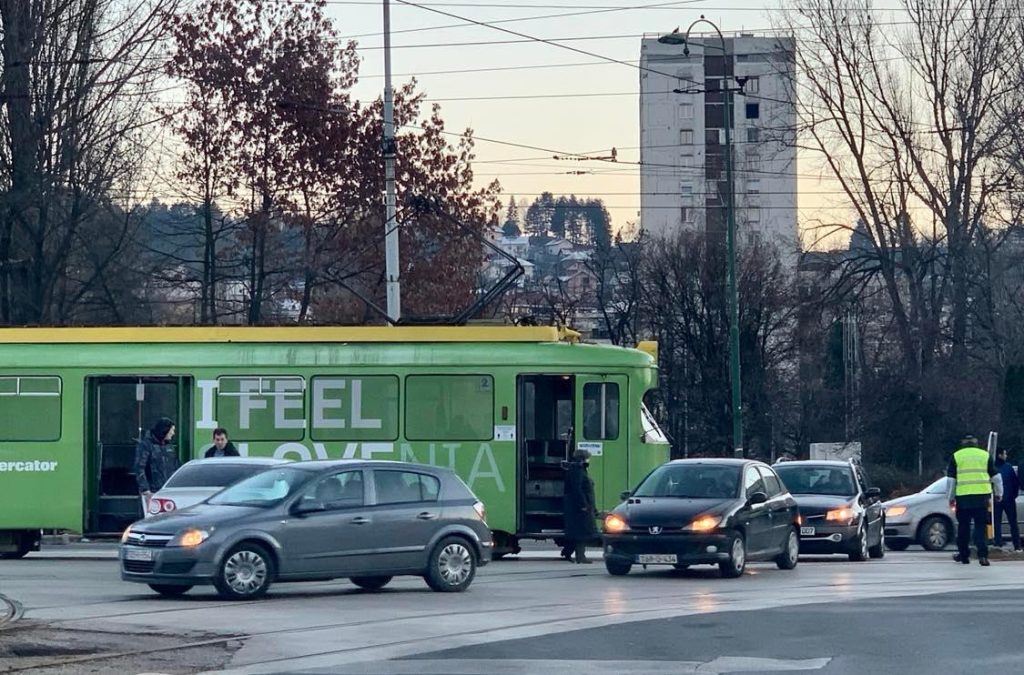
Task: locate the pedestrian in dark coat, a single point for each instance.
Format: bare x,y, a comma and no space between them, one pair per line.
1008,504
222,447
155,459
580,508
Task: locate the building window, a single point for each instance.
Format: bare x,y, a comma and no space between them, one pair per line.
713,136
713,86
30,408
753,111
753,187
686,111
753,160
753,135
686,137
686,161
754,214
449,407
752,85
686,214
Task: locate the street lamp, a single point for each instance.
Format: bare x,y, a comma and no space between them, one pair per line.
677,38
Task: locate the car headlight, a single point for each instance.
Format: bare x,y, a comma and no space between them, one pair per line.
843,515
895,511
704,523
190,538
614,523
124,536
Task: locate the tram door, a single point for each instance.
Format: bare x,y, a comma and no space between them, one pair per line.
545,433
601,420
119,411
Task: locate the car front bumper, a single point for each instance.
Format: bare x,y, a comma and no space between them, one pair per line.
174,565
689,549
829,539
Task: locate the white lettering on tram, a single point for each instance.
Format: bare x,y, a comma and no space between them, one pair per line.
475,474
207,389
284,403
25,467
247,403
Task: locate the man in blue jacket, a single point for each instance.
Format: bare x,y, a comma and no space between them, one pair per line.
1008,504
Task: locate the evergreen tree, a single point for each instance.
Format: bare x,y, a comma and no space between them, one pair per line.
511,228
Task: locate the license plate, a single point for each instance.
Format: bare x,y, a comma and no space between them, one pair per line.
656,559
138,554
807,531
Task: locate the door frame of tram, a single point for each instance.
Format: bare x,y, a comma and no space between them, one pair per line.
540,483
117,411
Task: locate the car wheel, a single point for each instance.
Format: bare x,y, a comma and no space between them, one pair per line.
899,545
617,568
169,591
860,551
934,534
246,572
737,562
24,547
452,566
790,553
371,583
878,550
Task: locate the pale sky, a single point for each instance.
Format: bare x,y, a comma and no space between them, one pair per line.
601,110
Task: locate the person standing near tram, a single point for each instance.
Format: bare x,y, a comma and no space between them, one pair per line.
155,459
580,509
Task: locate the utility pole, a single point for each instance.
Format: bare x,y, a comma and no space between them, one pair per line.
677,38
390,149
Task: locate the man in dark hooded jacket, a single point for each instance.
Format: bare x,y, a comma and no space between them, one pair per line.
155,459
222,447
580,508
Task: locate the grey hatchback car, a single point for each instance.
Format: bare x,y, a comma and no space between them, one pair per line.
367,521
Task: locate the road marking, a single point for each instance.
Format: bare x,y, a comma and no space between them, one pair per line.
720,666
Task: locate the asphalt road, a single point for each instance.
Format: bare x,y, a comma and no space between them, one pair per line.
913,612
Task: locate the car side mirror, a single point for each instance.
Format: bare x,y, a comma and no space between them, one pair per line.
874,493
308,505
757,498
625,495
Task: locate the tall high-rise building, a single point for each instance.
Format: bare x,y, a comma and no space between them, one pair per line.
682,138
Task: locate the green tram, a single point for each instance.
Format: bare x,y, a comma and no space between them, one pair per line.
502,406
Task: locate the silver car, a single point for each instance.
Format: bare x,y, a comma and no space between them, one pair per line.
924,518
316,521
198,479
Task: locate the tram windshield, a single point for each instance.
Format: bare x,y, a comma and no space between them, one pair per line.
652,432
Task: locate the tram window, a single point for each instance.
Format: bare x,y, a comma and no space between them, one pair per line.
30,408
347,408
449,407
600,411
255,408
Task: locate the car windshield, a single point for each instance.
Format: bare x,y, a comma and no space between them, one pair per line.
691,481
212,475
817,480
264,489
939,487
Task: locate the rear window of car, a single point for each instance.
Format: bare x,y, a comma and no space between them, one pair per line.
212,475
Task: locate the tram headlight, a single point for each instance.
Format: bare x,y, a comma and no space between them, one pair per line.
614,523
190,538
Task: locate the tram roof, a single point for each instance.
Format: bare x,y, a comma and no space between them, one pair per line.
287,334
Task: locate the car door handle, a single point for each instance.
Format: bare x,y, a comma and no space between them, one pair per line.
359,520
427,515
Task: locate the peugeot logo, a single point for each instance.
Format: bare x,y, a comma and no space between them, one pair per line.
655,530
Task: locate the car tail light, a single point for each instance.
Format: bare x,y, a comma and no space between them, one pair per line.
159,505
481,510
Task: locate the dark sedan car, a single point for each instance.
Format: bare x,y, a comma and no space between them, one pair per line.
721,512
839,512
314,521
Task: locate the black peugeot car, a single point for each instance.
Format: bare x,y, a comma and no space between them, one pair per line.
721,512
839,512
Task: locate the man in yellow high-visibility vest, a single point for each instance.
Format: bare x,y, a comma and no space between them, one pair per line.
972,471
